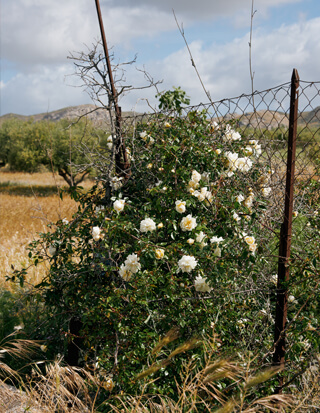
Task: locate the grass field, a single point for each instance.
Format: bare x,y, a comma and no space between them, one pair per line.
28,202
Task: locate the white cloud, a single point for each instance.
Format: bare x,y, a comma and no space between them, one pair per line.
38,31
45,31
38,35
203,9
225,68
43,90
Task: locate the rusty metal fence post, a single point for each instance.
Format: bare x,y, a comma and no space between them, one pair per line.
122,162
286,234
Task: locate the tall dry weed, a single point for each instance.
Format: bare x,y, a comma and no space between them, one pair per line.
220,386
49,387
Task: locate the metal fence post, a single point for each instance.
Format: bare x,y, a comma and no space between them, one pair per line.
286,234
122,161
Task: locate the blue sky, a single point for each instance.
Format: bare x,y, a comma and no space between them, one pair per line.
38,35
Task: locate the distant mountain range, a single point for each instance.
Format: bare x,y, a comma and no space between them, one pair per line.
266,118
97,115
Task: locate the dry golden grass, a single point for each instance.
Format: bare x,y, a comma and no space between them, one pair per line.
22,178
23,217
35,179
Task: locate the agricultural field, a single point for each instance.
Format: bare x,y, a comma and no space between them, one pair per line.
28,202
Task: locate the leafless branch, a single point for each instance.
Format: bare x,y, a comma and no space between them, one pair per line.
181,30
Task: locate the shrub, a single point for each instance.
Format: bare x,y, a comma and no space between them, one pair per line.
181,243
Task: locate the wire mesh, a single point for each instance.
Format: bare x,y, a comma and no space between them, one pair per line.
263,118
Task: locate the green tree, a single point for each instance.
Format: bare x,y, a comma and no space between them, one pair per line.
70,147
63,146
22,144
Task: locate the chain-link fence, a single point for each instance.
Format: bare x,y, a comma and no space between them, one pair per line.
266,122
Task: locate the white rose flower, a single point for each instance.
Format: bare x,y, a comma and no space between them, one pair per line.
214,126
310,327
181,206
216,239
147,225
132,263
116,182
266,191
231,160
52,249
201,285
187,263
192,185
118,205
160,225
257,150
188,223
236,217
231,135
96,231
248,150
249,240
190,241
159,253
274,279
252,248
248,201
143,135
244,164
218,151
200,237
195,176
291,299
240,198
128,152
202,194
110,142
125,273
242,322
65,221
256,147
209,197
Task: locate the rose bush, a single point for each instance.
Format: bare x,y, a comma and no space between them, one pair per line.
183,250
